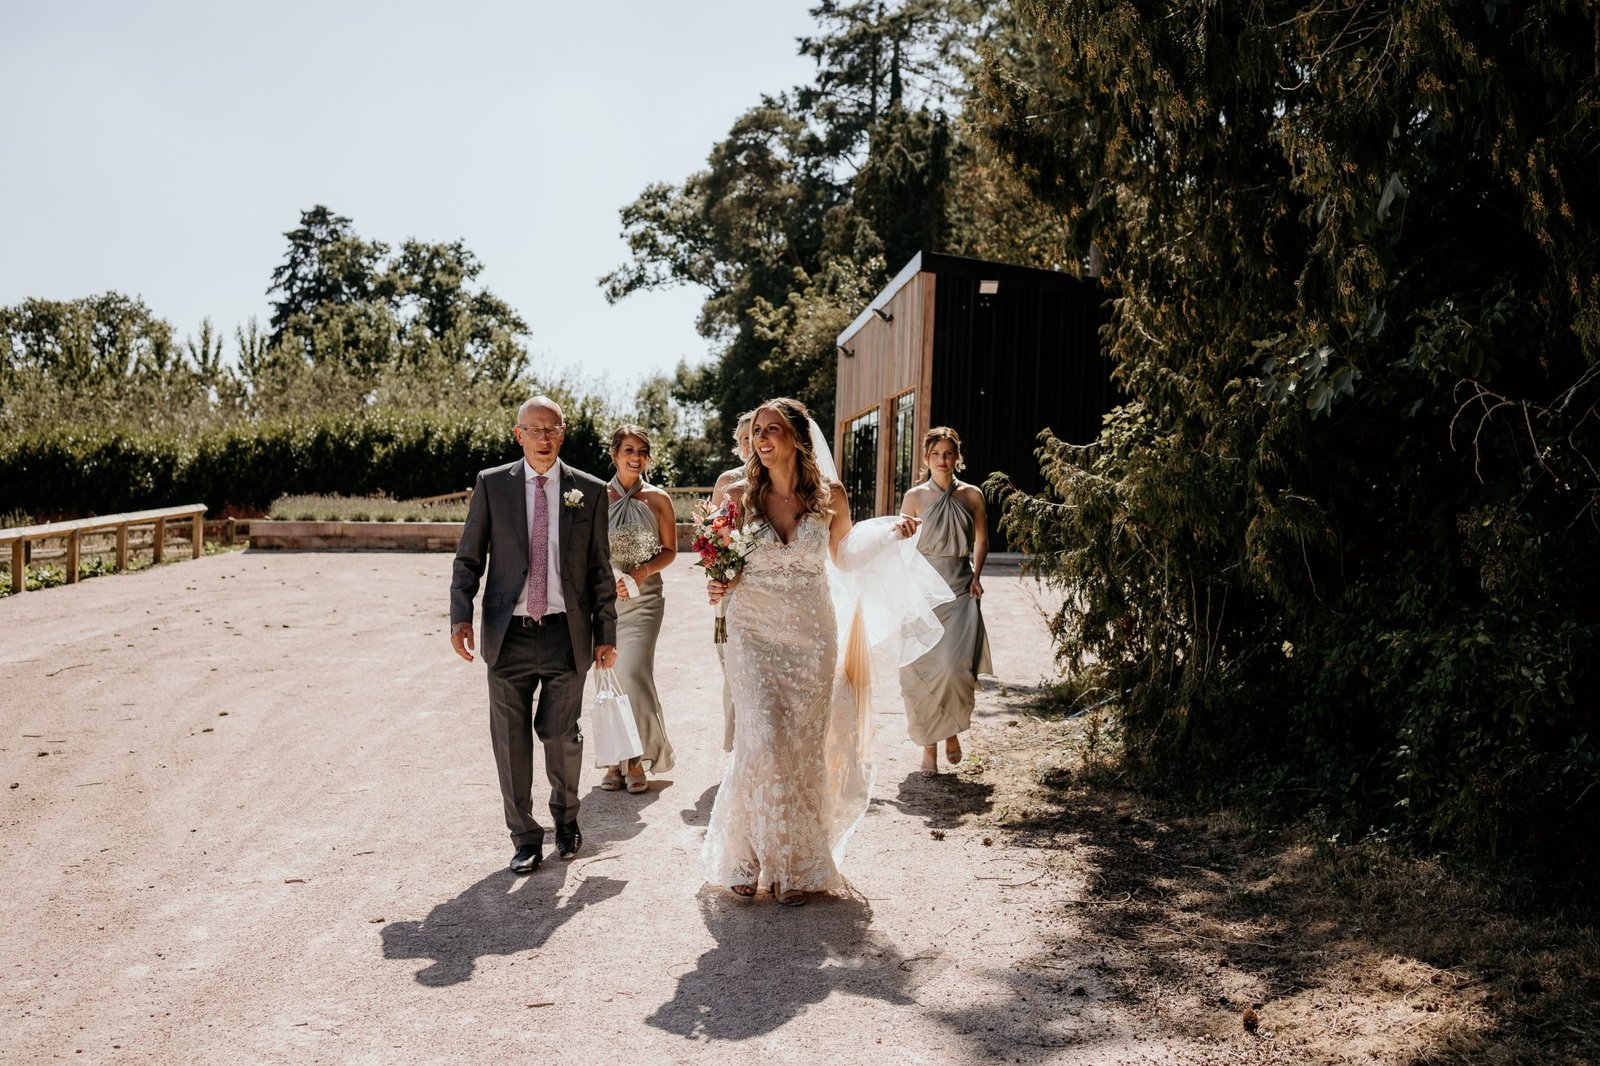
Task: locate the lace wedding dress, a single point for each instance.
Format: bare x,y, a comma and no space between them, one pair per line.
777,814
801,771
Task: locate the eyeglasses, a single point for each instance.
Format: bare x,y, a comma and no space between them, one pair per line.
542,432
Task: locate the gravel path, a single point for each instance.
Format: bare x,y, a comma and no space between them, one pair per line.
255,819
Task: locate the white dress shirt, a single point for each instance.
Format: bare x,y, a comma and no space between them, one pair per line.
555,602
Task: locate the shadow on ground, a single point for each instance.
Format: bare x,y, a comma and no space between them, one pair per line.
610,818
771,963
1183,919
942,802
700,814
500,915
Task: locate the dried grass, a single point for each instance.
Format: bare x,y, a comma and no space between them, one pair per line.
363,509
1347,953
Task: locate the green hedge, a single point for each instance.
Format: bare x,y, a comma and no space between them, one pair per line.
74,473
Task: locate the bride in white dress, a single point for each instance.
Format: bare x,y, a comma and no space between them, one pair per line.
801,769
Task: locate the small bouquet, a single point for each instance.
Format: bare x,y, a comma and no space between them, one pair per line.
631,548
722,547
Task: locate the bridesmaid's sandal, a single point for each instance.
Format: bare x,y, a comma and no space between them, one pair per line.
789,897
930,761
612,782
952,750
636,781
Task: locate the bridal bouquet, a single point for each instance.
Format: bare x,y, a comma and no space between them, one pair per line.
722,547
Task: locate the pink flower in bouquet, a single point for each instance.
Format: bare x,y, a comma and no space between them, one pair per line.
719,542
722,547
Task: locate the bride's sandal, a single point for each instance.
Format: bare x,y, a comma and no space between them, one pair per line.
743,891
612,782
789,897
952,750
930,761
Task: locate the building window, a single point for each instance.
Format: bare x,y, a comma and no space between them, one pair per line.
860,467
905,445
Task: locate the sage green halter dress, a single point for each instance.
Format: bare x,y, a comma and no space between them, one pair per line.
940,688
635,537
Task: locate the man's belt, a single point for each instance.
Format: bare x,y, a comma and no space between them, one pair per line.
530,622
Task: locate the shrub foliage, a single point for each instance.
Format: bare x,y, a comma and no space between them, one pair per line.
243,469
1341,541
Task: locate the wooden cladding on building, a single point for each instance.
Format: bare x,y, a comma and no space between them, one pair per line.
886,353
999,352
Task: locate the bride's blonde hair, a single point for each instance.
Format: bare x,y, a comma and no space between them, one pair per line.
813,489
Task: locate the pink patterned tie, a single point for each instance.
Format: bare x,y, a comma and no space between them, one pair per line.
539,552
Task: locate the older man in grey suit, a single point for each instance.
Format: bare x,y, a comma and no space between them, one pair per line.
549,610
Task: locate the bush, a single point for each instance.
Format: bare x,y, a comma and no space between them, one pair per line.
242,469
1339,545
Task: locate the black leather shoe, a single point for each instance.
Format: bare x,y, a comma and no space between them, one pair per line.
569,838
527,858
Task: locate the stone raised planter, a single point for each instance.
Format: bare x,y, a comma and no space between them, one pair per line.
355,536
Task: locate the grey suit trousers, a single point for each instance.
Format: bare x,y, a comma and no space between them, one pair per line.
538,662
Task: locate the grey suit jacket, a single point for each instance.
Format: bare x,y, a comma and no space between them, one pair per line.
496,537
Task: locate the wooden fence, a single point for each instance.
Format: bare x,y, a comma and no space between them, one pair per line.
22,539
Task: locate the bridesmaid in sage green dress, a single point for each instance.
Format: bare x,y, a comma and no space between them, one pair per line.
644,541
719,493
940,688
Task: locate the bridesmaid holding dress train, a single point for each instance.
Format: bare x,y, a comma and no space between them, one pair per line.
644,541
940,688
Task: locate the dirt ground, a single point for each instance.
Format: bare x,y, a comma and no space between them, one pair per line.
252,817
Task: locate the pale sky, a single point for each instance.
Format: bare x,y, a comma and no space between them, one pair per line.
162,149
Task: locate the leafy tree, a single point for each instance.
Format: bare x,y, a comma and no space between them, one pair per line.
99,338
353,328
800,332
327,269
1340,540
429,286
826,187
103,360
739,230
376,327
873,57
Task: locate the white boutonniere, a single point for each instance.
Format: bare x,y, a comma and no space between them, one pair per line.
573,498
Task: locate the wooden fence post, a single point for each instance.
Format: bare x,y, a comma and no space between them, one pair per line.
198,534
161,537
122,547
19,565
72,557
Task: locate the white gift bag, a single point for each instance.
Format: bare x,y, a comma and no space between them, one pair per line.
615,736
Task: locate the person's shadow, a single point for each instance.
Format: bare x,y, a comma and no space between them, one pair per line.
771,963
500,915
700,813
943,802
610,818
